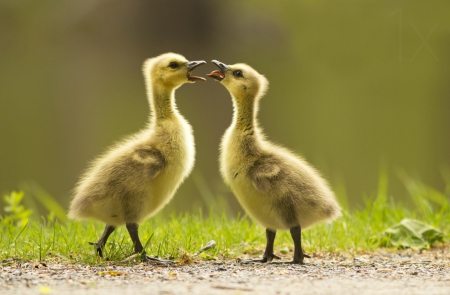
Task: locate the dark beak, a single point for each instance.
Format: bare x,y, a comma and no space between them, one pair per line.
219,75
191,66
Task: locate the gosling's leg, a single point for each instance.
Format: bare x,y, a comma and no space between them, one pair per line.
268,253
299,255
100,244
138,248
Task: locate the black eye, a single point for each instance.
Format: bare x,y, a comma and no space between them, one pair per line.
173,65
238,73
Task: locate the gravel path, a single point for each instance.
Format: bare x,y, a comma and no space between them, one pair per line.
404,272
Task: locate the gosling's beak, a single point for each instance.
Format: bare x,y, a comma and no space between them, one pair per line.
191,66
218,75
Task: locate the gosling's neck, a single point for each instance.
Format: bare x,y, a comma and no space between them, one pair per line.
244,117
162,103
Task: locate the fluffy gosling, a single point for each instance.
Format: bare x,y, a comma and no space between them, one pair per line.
139,175
276,188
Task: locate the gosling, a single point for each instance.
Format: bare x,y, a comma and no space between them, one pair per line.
139,175
278,189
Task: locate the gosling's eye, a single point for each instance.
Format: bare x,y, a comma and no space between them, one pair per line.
173,65
238,73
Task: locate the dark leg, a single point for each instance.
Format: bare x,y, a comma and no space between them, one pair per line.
138,248
100,244
133,231
268,253
296,233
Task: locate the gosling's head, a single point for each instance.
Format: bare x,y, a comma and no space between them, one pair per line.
171,70
241,80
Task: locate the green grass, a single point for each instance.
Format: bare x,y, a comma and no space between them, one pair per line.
179,236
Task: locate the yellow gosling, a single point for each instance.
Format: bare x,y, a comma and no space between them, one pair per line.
139,175
277,188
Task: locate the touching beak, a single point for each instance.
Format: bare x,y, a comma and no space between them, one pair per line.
219,75
191,66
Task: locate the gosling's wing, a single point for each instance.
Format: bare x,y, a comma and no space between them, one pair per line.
263,173
152,160
114,176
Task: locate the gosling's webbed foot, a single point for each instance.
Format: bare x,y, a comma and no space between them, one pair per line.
268,253
265,259
98,248
100,244
139,249
299,259
146,258
296,261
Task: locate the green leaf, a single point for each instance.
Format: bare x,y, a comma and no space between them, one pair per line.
411,233
16,212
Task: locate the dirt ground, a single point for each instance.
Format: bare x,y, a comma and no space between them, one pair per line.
404,272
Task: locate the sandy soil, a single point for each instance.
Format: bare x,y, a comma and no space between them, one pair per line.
405,272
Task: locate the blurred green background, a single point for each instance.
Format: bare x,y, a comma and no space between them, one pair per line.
355,86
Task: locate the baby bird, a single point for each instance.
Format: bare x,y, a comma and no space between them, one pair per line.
276,188
139,175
